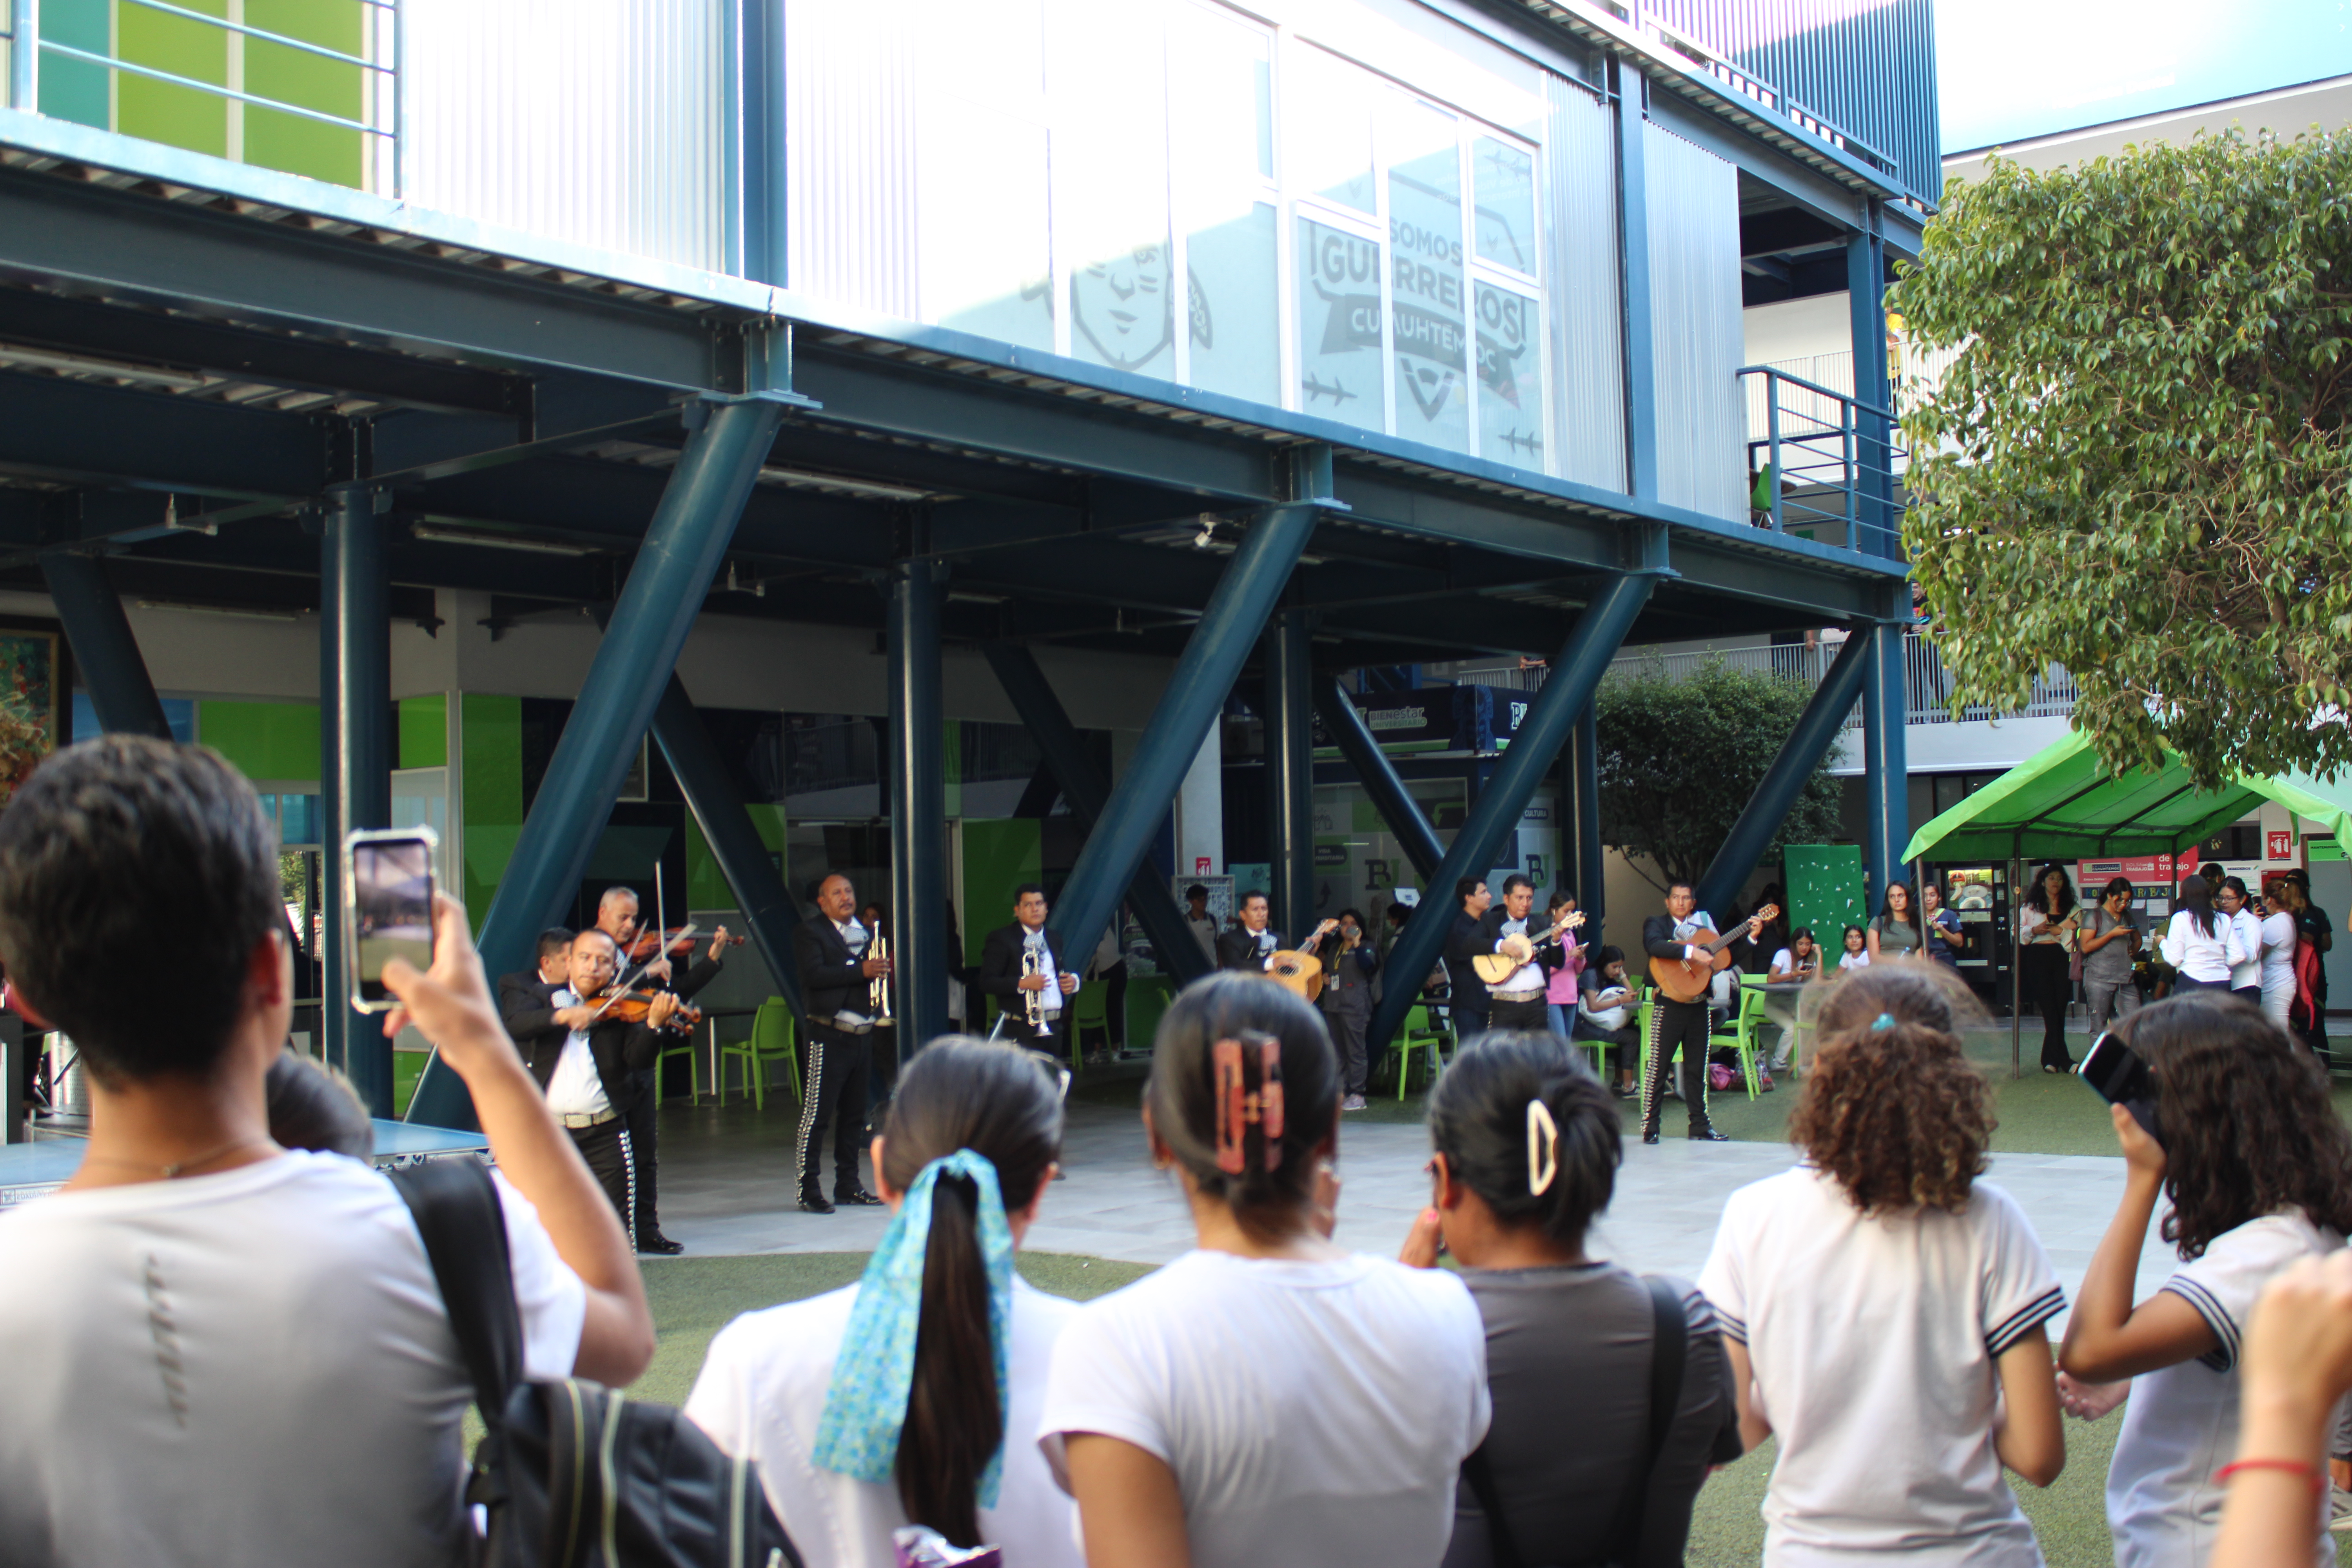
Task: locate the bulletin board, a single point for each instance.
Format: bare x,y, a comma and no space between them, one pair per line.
1825,892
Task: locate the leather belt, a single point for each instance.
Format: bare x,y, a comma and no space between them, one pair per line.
577,1119
1535,995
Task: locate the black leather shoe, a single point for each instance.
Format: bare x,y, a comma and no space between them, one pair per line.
1650,1135
660,1246
1710,1135
813,1203
858,1199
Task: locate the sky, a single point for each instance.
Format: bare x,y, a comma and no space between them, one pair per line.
2010,70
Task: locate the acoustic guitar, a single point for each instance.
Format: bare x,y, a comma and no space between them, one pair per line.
1689,979
1296,969
1499,965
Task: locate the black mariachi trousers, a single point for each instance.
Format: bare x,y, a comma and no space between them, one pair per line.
837,1065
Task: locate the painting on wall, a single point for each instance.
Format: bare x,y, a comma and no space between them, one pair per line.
36,686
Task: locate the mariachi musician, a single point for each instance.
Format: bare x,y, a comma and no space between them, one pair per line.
1684,931
1252,944
1516,1000
617,917
839,976
1021,966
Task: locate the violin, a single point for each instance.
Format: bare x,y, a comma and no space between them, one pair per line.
676,943
633,1006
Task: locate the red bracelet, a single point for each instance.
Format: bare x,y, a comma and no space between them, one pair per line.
2292,1467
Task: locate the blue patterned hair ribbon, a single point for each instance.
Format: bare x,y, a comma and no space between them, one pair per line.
865,1406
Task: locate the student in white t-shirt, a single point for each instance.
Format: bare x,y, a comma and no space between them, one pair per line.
1267,1398
1857,953
218,1351
800,1389
2259,1171
1884,1309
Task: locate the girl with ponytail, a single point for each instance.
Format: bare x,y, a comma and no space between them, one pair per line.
1528,1143
912,1396
1267,1398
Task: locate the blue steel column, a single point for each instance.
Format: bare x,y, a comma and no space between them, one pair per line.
1865,270
1815,732
919,807
1575,674
1378,776
1082,785
1631,89
1290,771
106,656
1885,781
354,759
687,539
1235,614
1591,884
769,912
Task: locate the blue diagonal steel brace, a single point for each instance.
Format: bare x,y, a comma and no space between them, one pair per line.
684,544
1816,731
769,912
1235,614
106,656
1083,786
1575,674
1378,777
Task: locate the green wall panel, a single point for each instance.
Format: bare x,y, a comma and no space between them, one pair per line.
490,732
277,740
157,110
425,731
999,854
75,89
289,142
706,884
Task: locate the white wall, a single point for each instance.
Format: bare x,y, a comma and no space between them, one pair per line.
1798,328
2290,112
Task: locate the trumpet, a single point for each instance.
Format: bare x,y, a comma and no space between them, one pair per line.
877,990
1033,961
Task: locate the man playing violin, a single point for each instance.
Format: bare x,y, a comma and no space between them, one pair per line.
616,916
587,1062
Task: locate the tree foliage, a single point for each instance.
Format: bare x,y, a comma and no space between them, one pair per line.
1679,757
2137,465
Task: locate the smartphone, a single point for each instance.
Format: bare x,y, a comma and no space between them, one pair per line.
2117,1074
387,906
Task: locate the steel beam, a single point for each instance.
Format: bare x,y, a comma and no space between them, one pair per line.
80,433
1815,732
1236,612
1082,785
1290,769
106,656
1865,270
355,758
1630,90
684,544
919,806
1885,778
1591,886
1378,776
1576,673
768,910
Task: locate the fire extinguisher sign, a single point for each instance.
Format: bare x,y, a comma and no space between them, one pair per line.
2281,846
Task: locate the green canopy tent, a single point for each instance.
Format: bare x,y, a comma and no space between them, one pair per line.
2062,805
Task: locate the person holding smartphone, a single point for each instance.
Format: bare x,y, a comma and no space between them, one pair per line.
2258,1169
1800,961
2110,941
2046,923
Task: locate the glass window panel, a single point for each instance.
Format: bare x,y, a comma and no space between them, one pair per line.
1233,306
1425,283
299,823
990,47
1222,105
1331,148
987,259
1108,67
1511,380
1504,177
1340,326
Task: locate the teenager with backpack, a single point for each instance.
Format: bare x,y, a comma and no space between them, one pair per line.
221,1351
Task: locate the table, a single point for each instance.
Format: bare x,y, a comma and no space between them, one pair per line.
1781,1005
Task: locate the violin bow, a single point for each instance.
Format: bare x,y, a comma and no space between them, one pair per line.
623,981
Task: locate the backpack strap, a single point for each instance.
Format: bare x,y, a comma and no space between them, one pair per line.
458,1212
1669,1347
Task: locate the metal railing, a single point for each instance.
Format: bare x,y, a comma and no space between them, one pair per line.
1826,461
381,117
1927,685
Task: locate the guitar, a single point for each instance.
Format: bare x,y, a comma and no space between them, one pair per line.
1496,967
1297,969
1688,978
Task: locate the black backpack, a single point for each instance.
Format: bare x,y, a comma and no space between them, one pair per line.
574,1474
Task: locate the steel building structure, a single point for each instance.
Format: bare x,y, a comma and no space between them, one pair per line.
650,420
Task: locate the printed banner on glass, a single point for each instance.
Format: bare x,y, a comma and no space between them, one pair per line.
1340,326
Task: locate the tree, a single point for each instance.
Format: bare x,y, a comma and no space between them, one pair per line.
2137,465
1678,759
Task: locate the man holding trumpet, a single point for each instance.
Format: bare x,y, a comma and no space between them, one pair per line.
1021,966
1515,981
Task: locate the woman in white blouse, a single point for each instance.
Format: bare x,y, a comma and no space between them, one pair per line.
2200,943
2279,936
2244,946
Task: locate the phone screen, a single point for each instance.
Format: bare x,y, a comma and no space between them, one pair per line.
392,895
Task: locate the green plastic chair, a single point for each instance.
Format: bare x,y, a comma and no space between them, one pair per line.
1419,1033
684,1050
1739,1032
773,1037
1090,1009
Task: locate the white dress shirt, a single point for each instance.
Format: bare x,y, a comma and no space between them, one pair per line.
575,1088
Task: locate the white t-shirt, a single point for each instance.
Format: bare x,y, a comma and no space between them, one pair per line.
1313,1413
248,1367
1853,960
2181,1424
2202,957
1873,1341
2278,953
1785,961
761,1395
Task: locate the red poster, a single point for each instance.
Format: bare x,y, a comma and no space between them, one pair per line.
2141,868
2279,845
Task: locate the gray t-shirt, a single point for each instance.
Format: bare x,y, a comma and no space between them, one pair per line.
2111,962
1568,1362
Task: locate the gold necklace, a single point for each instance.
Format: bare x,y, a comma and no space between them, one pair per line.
173,1171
